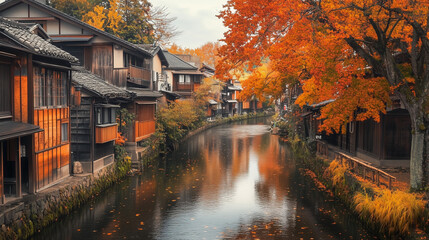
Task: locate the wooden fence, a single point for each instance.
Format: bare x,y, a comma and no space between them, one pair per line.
358,167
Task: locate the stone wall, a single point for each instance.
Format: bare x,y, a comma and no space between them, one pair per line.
22,218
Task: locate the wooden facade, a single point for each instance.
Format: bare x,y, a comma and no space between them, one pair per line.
52,146
144,125
34,112
185,84
93,121
384,143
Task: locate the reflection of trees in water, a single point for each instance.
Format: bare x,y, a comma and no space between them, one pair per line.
199,176
257,229
275,172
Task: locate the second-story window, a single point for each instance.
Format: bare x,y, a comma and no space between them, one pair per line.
130,60
105,115
50,87
184,79
5,90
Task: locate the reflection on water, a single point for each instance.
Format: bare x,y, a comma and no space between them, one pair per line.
230,182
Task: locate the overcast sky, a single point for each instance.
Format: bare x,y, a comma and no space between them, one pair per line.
196,19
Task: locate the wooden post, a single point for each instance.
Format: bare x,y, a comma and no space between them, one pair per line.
390,183
3,199
18,167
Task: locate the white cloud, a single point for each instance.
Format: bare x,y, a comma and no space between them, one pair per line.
196,19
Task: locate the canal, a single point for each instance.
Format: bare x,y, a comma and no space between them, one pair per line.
233,181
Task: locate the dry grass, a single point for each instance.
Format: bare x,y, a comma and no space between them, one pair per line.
395,211
336,172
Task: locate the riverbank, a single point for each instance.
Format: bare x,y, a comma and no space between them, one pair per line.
24,217
388,213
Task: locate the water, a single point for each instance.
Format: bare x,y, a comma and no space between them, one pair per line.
230,182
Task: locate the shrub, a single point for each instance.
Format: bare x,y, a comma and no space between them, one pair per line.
394,211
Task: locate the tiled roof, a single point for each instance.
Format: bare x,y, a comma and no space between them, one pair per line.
68,18
20,33
97,85
152,49
145,93
175,63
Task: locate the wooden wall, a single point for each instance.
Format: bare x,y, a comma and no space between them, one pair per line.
81,130
102,62
51,153
20,92
105,134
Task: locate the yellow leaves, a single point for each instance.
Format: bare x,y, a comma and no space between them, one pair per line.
114,19
96,17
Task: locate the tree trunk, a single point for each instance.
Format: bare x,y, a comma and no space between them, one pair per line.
419,148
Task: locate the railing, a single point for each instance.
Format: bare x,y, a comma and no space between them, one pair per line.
183,87
366,171
105,133
322,149
143,129
144,83
139,73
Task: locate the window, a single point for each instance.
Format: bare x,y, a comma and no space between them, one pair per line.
105,115
184,79
64,132
5,89
50,88
130,60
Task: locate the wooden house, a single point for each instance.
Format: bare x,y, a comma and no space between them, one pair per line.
386,143
230,96
93,121
161,80
34,111
184,77
115,60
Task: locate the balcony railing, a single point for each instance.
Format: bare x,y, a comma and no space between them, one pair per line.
183,87
139,73
143,129
106,133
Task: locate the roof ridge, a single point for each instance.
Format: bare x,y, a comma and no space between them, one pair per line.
77,21
22,35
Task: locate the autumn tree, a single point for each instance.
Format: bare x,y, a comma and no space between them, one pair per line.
127,19
357,52
207,52
95,18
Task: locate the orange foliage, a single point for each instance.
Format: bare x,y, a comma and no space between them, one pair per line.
120,140
349,50
207,52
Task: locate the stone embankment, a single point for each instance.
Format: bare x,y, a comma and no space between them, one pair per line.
23,217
